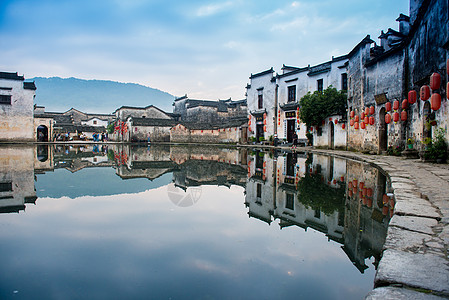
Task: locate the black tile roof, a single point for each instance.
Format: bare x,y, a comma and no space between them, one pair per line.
11,76
29,86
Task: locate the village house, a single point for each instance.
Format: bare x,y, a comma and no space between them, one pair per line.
72,124
142,124
273,103
16,108
397,89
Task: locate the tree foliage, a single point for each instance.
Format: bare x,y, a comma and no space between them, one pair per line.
320,105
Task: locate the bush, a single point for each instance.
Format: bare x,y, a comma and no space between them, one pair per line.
438,147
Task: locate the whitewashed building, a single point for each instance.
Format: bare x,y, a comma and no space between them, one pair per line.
16,108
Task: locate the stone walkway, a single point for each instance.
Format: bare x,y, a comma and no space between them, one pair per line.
415,260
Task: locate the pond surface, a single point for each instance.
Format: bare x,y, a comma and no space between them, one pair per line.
172,222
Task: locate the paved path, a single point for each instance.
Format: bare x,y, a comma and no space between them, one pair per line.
415,260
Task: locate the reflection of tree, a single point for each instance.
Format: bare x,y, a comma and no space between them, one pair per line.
313,193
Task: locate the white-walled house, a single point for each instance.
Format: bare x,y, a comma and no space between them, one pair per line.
261,100
95,122
16,108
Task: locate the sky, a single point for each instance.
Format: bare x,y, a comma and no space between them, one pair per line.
205,49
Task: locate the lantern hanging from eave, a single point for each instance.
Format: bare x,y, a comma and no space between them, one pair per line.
264,115
366,110
412,96
424,93
343,126
435,101
366,120
395,105
435,81
403,115
388,106
351,122
356,119
371,120
404,104
362,116
335,121
372,110
387,118
362,125
395,116
351,114
356,125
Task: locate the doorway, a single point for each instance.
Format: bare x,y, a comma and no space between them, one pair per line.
42,133
331,136
383,132
427,120
290,130
259,132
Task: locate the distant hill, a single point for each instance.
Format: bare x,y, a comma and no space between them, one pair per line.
96,96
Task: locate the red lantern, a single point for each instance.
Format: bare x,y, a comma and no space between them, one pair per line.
412,97
354,183
388,106
356,119
403,116
265,128
404,104
350,193
371,120
352,113
435,81
387,118
424,92
356,125
349,185
342,178
366,120
362,116
369,192
336,121
351,122
395,116
435,101
264,121
395,105
364,191
362,125
385,199
361,185
371,110
366,110
249,122
343,126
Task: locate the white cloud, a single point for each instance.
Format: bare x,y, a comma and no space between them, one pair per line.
212,9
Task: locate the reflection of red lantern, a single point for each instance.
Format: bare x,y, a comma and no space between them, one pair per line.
385,199
385,210
356,119
361,184
435,81
366,120
395,116
350,194
369,202
362,125
387,118
350,185
354,183
404,104
366,110
424,92
352,114
362,115
371,110
371,120
412,96
369,192
388,106
435,101
350,123
364,191
342,179
395,105
356,125
403,116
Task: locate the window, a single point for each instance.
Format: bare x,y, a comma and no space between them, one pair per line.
344,82
289,201
260,98
319,131
319,85
291,93
5,99
317,213
95,122
259,190
5,186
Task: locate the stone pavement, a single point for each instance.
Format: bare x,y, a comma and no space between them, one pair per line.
415,260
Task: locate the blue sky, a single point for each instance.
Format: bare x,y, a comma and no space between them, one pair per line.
206,49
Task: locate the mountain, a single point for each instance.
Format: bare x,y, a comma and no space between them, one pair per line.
96,96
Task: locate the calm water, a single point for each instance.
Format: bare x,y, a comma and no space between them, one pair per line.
123,222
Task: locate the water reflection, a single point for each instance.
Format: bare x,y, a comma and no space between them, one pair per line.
342,199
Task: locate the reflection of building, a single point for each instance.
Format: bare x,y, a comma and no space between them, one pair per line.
16,108
313,191
16,178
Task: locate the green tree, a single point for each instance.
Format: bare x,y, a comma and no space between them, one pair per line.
320,105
